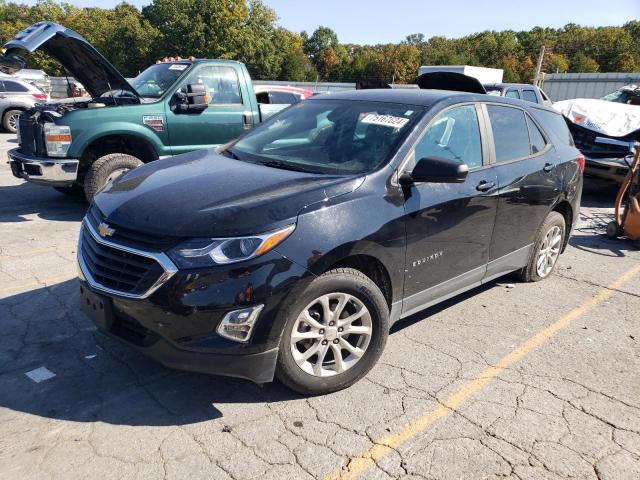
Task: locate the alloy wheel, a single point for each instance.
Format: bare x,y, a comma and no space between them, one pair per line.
549,251
331,334
13,121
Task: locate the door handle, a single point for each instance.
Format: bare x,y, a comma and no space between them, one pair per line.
485,186
548,167
246,122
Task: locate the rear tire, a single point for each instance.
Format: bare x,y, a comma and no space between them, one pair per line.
349,294
546,249
10,120
106,169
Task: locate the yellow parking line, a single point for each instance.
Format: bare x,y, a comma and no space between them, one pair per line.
36,283
388,443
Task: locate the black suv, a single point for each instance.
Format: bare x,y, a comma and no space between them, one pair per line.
290,252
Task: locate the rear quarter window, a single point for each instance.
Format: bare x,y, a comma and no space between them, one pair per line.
554,125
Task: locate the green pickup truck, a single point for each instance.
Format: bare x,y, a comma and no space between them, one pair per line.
79,145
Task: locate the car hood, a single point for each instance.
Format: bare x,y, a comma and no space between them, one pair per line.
73,52
608,118
203,194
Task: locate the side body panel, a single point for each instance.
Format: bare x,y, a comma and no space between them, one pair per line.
449,229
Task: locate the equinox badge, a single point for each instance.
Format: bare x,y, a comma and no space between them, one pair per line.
105,230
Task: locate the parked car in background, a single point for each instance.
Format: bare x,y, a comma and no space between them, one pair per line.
520,91
605,130
172,107
36,77
16,97
291,251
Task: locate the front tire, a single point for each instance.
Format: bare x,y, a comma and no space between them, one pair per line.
334,333
106,169
546,250
10,120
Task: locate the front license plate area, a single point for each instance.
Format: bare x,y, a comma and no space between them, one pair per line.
98,308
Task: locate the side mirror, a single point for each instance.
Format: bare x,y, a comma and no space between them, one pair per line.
436,170
193,100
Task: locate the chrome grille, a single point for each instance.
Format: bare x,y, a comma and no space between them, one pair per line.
132,238
121,270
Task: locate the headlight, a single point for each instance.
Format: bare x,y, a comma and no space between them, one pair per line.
57,139
205,252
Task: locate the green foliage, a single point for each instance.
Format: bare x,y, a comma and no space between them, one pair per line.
248,31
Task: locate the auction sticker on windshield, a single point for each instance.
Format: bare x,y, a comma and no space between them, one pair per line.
385,120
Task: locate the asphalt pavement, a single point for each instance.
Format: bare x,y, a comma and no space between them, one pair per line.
510,381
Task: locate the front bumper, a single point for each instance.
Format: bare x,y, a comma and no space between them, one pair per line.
177,324
45,171
611,169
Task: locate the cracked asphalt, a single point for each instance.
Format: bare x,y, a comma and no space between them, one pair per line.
568,407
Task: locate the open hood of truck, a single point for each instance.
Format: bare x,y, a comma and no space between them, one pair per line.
73,52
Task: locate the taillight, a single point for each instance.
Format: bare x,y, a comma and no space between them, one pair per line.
580,160
39,96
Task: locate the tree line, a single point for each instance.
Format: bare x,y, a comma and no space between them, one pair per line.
248,31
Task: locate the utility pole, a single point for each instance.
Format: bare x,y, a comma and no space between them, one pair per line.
538,76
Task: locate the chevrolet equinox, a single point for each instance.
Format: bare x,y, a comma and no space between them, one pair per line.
289,253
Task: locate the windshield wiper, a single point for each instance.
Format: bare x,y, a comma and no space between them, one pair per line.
285,166
229,153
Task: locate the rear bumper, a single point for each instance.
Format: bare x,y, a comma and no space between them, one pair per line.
611,169
44,171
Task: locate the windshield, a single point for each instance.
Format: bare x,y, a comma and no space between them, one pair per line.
158,78
330,136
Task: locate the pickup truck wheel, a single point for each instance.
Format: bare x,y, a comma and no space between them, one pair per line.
334,333
546,250
10,120
105,169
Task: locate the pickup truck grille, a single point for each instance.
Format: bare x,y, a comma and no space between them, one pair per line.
31,135
132,238
116,269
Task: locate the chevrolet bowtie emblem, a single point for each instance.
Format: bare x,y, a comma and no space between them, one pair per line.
105,230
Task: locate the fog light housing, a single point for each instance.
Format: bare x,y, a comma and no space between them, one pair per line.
238,324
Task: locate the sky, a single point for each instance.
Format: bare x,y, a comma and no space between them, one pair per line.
384,21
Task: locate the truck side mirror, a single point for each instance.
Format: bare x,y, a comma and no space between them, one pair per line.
193,100
436,170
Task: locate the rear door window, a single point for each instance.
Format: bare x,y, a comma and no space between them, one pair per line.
453,134
529,95
510,133
512,93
